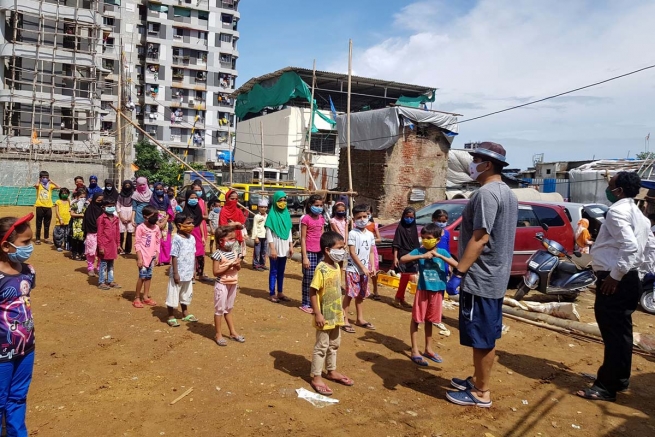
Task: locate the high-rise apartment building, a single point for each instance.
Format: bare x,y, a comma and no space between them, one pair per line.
66,61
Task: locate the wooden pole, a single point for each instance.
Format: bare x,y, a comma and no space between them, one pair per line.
350,75
171,154
119,124
261,131
231,159
308,144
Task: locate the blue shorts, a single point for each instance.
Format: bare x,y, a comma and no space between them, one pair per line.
146,272
480,321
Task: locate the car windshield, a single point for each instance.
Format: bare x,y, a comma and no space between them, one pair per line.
454,210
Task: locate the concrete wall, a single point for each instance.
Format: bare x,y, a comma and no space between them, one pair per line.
22,172
385,178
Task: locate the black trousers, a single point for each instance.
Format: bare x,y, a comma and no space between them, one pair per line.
127,248
43,217
614,316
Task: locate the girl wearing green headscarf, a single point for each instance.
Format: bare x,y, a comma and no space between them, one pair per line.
280,244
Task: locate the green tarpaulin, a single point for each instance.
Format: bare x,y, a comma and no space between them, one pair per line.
415,102
287,87
21,196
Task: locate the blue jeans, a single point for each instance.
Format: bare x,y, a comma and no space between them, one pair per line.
15,378
259,256
276,274
106,271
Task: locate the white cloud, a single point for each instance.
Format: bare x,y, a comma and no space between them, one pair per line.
501,53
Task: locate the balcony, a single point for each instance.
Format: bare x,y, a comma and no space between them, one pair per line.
227,4
153,56
181,60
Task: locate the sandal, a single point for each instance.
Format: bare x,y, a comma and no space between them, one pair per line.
367,325
344,380
306,309
275,299
348,328
595,393
137,304
321,389
104,287
420,361
221,341
238,338
283,298
149,302
433,357
376,297
37,242
114,285
173,323
466,398
190,318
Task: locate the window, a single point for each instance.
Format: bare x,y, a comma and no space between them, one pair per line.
203,15
179,32
547,171
181,12
226,37
527,218
158,8
548,216
141,29
107,21
324,142
454,210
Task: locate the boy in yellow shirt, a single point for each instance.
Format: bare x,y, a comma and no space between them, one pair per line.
44,205
62,210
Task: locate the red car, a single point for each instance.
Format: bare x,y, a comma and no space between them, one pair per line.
531,216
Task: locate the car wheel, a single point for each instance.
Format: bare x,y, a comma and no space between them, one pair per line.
521,292
647,302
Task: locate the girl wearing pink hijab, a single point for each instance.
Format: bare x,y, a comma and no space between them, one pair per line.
140,199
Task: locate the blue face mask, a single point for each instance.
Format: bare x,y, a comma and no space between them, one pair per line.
316,210
408,220
217,210
341,213
192,202
441,224
199,193
110,209
159,192
22,253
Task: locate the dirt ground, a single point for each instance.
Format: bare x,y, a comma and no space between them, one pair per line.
105,368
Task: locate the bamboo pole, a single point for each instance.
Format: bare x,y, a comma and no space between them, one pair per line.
308,146
261,131
171,154
350,76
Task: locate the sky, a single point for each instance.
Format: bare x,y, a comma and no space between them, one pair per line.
483,56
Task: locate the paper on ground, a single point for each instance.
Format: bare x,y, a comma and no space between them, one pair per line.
315,399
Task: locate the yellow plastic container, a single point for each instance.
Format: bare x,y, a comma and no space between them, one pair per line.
394,282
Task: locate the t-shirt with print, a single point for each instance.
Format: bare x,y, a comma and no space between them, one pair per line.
44,196
494,208
64,210
363,241
16,322
184,250
327,283
231,276
432,272
314,232
147,242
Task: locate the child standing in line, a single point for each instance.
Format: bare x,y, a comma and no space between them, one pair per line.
259,236
213,215
44,205
359,269
17,280
90,226
124,209
374,229
325,296
62,208
280,244
430,291
146,245
404,241
78,208
311,229
193,209
440,218
183,259
226,269
339,222
109,242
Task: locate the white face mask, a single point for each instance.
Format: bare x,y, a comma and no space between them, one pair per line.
361,223
337,255
473,170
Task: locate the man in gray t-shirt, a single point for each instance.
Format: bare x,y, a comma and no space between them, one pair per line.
485,258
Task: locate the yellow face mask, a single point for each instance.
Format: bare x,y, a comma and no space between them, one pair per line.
429,243
281,204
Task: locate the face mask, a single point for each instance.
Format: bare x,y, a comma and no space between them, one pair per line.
93,184
341,213
199,193
337,255
217,210
110,209
228,245
109,187
361,223
441,224
22,253
152,188
282,205
82,199
610,195
153,219
64,197
141,188
316,210
192,202
159,192
44,181
473,170
408,220
429,243
187,229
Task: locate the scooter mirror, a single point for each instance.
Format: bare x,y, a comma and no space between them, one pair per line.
544,226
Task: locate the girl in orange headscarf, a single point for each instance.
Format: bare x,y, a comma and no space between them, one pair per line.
583,237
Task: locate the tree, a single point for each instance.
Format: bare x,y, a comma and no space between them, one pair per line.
154,165
646,155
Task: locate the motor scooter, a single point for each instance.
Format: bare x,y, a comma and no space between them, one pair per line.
553,271
647,300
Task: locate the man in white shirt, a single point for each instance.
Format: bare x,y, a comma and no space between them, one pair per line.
617,254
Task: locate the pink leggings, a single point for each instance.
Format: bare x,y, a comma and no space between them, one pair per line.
90,260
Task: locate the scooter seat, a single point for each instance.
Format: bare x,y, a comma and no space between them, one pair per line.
567,267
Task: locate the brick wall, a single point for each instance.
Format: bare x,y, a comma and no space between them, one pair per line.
385,178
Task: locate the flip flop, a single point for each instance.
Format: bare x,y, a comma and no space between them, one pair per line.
104,287
306,309
420,361
433,357
221,341
190,318
367,325
137,304
275,299
149,302
173,323
321,389
595,393
348,328
114,285
238,338
376,297
343,381
466,398
283,298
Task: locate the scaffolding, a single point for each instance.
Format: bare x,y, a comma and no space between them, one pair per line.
53,80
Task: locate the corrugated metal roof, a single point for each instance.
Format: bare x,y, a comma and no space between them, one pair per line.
356,80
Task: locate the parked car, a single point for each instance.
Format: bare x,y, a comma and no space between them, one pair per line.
594,212
530,219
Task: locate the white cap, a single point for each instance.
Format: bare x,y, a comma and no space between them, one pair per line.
263,202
